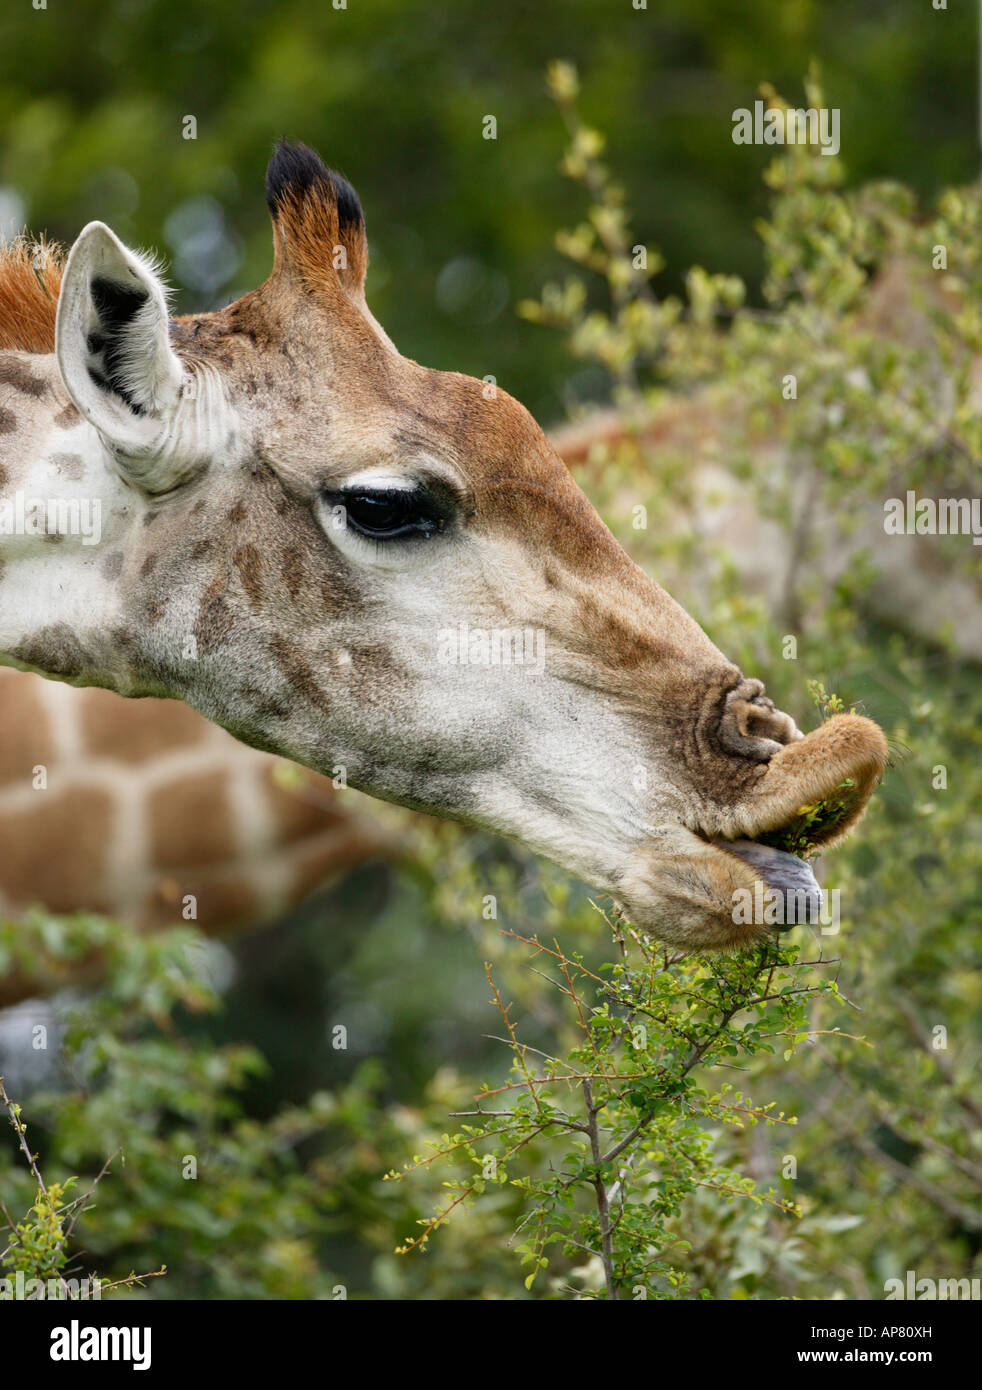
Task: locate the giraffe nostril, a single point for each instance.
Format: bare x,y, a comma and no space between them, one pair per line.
751,726
764,721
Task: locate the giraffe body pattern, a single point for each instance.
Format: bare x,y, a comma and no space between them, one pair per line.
130,808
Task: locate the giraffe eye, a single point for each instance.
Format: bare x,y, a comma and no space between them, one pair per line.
389,514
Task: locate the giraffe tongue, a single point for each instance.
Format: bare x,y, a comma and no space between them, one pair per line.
785,874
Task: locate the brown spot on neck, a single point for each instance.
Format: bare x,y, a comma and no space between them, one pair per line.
292,570
15,373
214,621
295,667
248,562
54,649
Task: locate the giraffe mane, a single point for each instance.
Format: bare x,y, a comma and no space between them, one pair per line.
30,279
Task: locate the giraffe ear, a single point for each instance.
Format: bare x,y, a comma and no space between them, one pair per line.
111,338
318,225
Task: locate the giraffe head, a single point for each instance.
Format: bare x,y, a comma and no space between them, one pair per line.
360,563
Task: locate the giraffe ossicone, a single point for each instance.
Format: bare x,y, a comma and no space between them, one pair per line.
293,513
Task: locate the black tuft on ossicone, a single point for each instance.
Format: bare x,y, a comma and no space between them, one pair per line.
296,172
349,204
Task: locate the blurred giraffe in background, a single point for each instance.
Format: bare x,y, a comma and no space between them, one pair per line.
915,586
143,810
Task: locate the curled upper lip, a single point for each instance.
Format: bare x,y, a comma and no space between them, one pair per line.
812,790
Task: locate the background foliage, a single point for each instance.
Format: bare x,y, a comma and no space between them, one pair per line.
229,1055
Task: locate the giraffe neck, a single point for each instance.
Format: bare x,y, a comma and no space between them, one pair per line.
64,515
